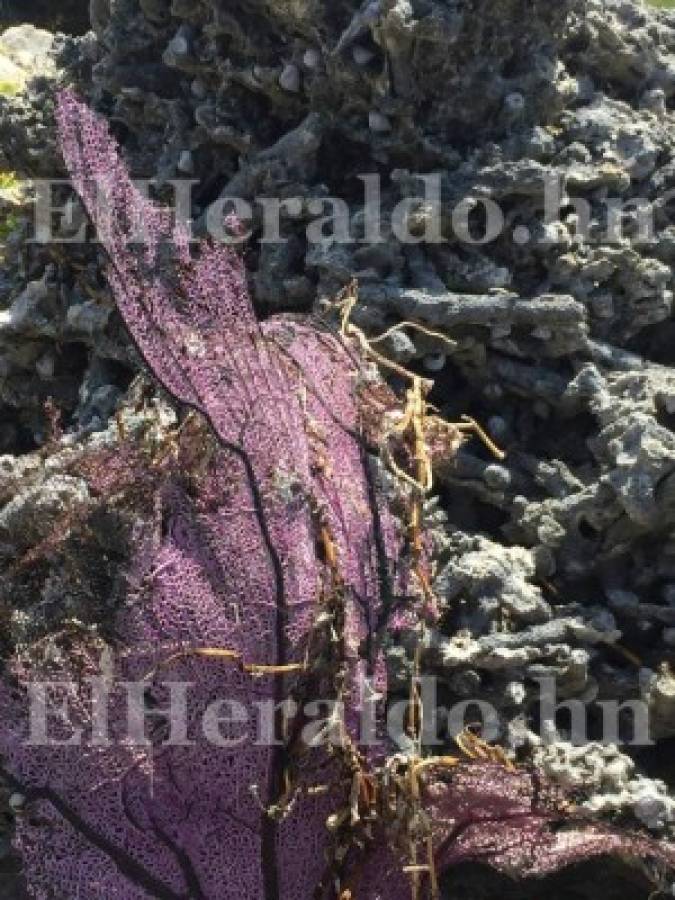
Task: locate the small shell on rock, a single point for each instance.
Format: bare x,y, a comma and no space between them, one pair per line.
16,802
497,477
179,46
289,79
199,89
669,636
186,162
362,55
515,692
45,365
498,426
514,103
435,362
311,58
378,122
654,100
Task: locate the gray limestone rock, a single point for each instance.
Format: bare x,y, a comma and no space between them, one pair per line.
557,332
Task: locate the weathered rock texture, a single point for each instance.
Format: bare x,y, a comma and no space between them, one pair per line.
559,561
66,15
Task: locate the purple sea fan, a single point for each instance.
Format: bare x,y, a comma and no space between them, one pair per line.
267,574
514,821
281,560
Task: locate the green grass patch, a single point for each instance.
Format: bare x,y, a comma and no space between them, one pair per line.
8,181
664,4
8,224
9,88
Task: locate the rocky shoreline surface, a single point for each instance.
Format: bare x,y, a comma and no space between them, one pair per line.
558,562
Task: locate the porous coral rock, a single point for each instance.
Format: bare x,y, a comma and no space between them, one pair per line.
564,347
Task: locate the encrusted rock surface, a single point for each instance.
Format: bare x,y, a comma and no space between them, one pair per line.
68,15
560,560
